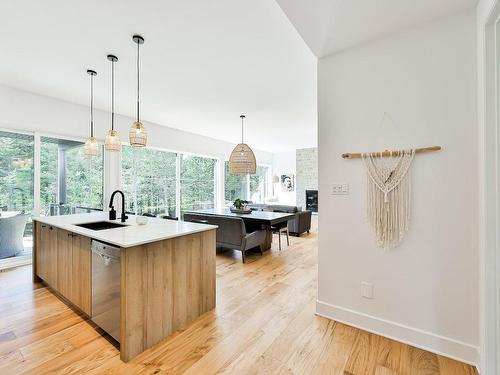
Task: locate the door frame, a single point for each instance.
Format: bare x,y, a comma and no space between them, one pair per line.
488,13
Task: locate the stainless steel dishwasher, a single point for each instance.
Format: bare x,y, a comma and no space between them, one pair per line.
106,287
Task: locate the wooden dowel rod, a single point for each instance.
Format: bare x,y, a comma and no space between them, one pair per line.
387,153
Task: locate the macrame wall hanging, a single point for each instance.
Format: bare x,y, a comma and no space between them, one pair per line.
389,192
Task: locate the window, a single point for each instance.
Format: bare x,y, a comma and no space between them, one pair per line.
253,188
16,175
235,186
70,182
149,180
198,183
259,185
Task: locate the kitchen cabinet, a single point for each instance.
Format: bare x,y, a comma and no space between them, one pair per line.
63,260
81,268
46,260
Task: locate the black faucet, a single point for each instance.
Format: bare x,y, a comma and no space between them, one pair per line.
112,212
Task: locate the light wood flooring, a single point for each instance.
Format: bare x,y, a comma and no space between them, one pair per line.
264,323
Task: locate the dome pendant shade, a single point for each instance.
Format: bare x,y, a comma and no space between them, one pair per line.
242,160
91,147
112,141
138,137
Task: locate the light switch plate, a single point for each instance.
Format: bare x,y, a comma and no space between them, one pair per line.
340,189
367,290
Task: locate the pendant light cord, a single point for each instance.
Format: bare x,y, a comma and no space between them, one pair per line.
242,118
138,82
91,105
112,95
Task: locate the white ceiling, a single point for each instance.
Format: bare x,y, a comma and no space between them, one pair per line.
329,26
203,64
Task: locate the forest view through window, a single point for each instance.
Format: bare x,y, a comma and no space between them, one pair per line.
70,182
149,181
254,188
16,192
198,183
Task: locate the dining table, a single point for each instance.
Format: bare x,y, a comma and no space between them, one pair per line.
263,219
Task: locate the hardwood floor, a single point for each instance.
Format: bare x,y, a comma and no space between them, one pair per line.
264,323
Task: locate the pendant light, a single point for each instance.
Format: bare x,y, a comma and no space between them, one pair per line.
112,141
138,136
91,147
242,159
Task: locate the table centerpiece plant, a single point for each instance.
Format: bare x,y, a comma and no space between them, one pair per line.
239,206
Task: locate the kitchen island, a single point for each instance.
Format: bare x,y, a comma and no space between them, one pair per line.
143,282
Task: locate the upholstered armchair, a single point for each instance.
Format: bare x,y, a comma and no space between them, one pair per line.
11,235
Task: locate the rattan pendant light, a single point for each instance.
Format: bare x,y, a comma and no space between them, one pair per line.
91,147
242,159
138,136
112,141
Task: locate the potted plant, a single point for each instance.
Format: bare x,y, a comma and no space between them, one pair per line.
239,206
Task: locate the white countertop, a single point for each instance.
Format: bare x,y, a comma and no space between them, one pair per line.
128,236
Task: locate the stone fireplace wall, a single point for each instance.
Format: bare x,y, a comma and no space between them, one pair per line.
307,173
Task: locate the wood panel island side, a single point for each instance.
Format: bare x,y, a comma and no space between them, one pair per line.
166,273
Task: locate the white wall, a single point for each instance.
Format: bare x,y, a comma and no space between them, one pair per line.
21,110
426,290
283,163
26,111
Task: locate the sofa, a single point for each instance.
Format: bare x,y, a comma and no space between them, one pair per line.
298,225
231,232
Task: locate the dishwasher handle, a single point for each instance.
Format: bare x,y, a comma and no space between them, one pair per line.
107,259
106,252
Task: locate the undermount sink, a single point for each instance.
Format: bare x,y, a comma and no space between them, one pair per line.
101,225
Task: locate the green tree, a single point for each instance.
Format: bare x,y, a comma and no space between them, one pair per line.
148,180
235,186
16,173
197,183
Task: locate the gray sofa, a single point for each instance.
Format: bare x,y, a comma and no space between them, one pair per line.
297,226
231,232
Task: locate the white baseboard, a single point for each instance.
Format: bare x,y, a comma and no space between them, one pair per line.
431,342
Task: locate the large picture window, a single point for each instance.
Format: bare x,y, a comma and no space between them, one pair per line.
149,181
198,183
70,182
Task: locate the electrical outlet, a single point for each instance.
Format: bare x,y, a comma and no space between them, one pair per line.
340,189
366,290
